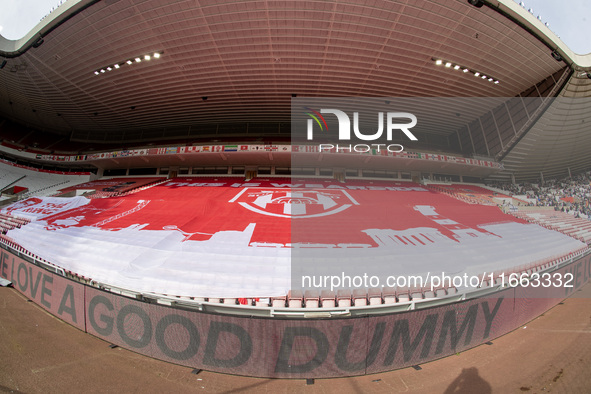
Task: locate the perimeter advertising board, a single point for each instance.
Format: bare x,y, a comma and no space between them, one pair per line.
287,348
59,296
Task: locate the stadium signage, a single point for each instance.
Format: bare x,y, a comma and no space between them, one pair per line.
62,298
300,348
437,332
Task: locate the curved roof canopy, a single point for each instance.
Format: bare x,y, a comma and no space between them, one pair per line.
232,67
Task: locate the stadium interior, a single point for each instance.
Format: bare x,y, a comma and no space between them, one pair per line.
148,152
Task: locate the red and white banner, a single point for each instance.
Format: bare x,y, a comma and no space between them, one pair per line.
38,207
228,238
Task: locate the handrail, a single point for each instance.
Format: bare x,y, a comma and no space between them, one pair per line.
300,312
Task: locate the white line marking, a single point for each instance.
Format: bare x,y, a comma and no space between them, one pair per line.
350,198
238,195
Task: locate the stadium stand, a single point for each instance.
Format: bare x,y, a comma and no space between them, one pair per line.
559,221
571,194
9,222
472,194
148,244
38,183
112,187
166,267
9,179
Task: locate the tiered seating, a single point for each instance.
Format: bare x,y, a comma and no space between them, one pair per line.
9,179
141,187
114,187
559,221
470,194
10,131
225,240
43,189
40,140
67,146
39,183
100,194
9,222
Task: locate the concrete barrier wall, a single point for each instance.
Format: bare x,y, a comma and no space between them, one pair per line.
286,348
59,296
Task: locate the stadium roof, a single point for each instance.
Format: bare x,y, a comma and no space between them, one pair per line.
232,67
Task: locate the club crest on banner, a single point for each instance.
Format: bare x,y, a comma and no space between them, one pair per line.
294,203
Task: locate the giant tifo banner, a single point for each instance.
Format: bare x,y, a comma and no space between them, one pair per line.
226,238
43,170
287,348
205,149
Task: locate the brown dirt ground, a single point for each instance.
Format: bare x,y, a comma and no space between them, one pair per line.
41,354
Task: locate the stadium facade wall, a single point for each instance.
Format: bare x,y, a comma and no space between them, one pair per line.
286,348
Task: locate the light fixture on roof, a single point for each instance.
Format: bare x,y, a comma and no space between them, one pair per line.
476,3
38,43
456,66
130,61
556,56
